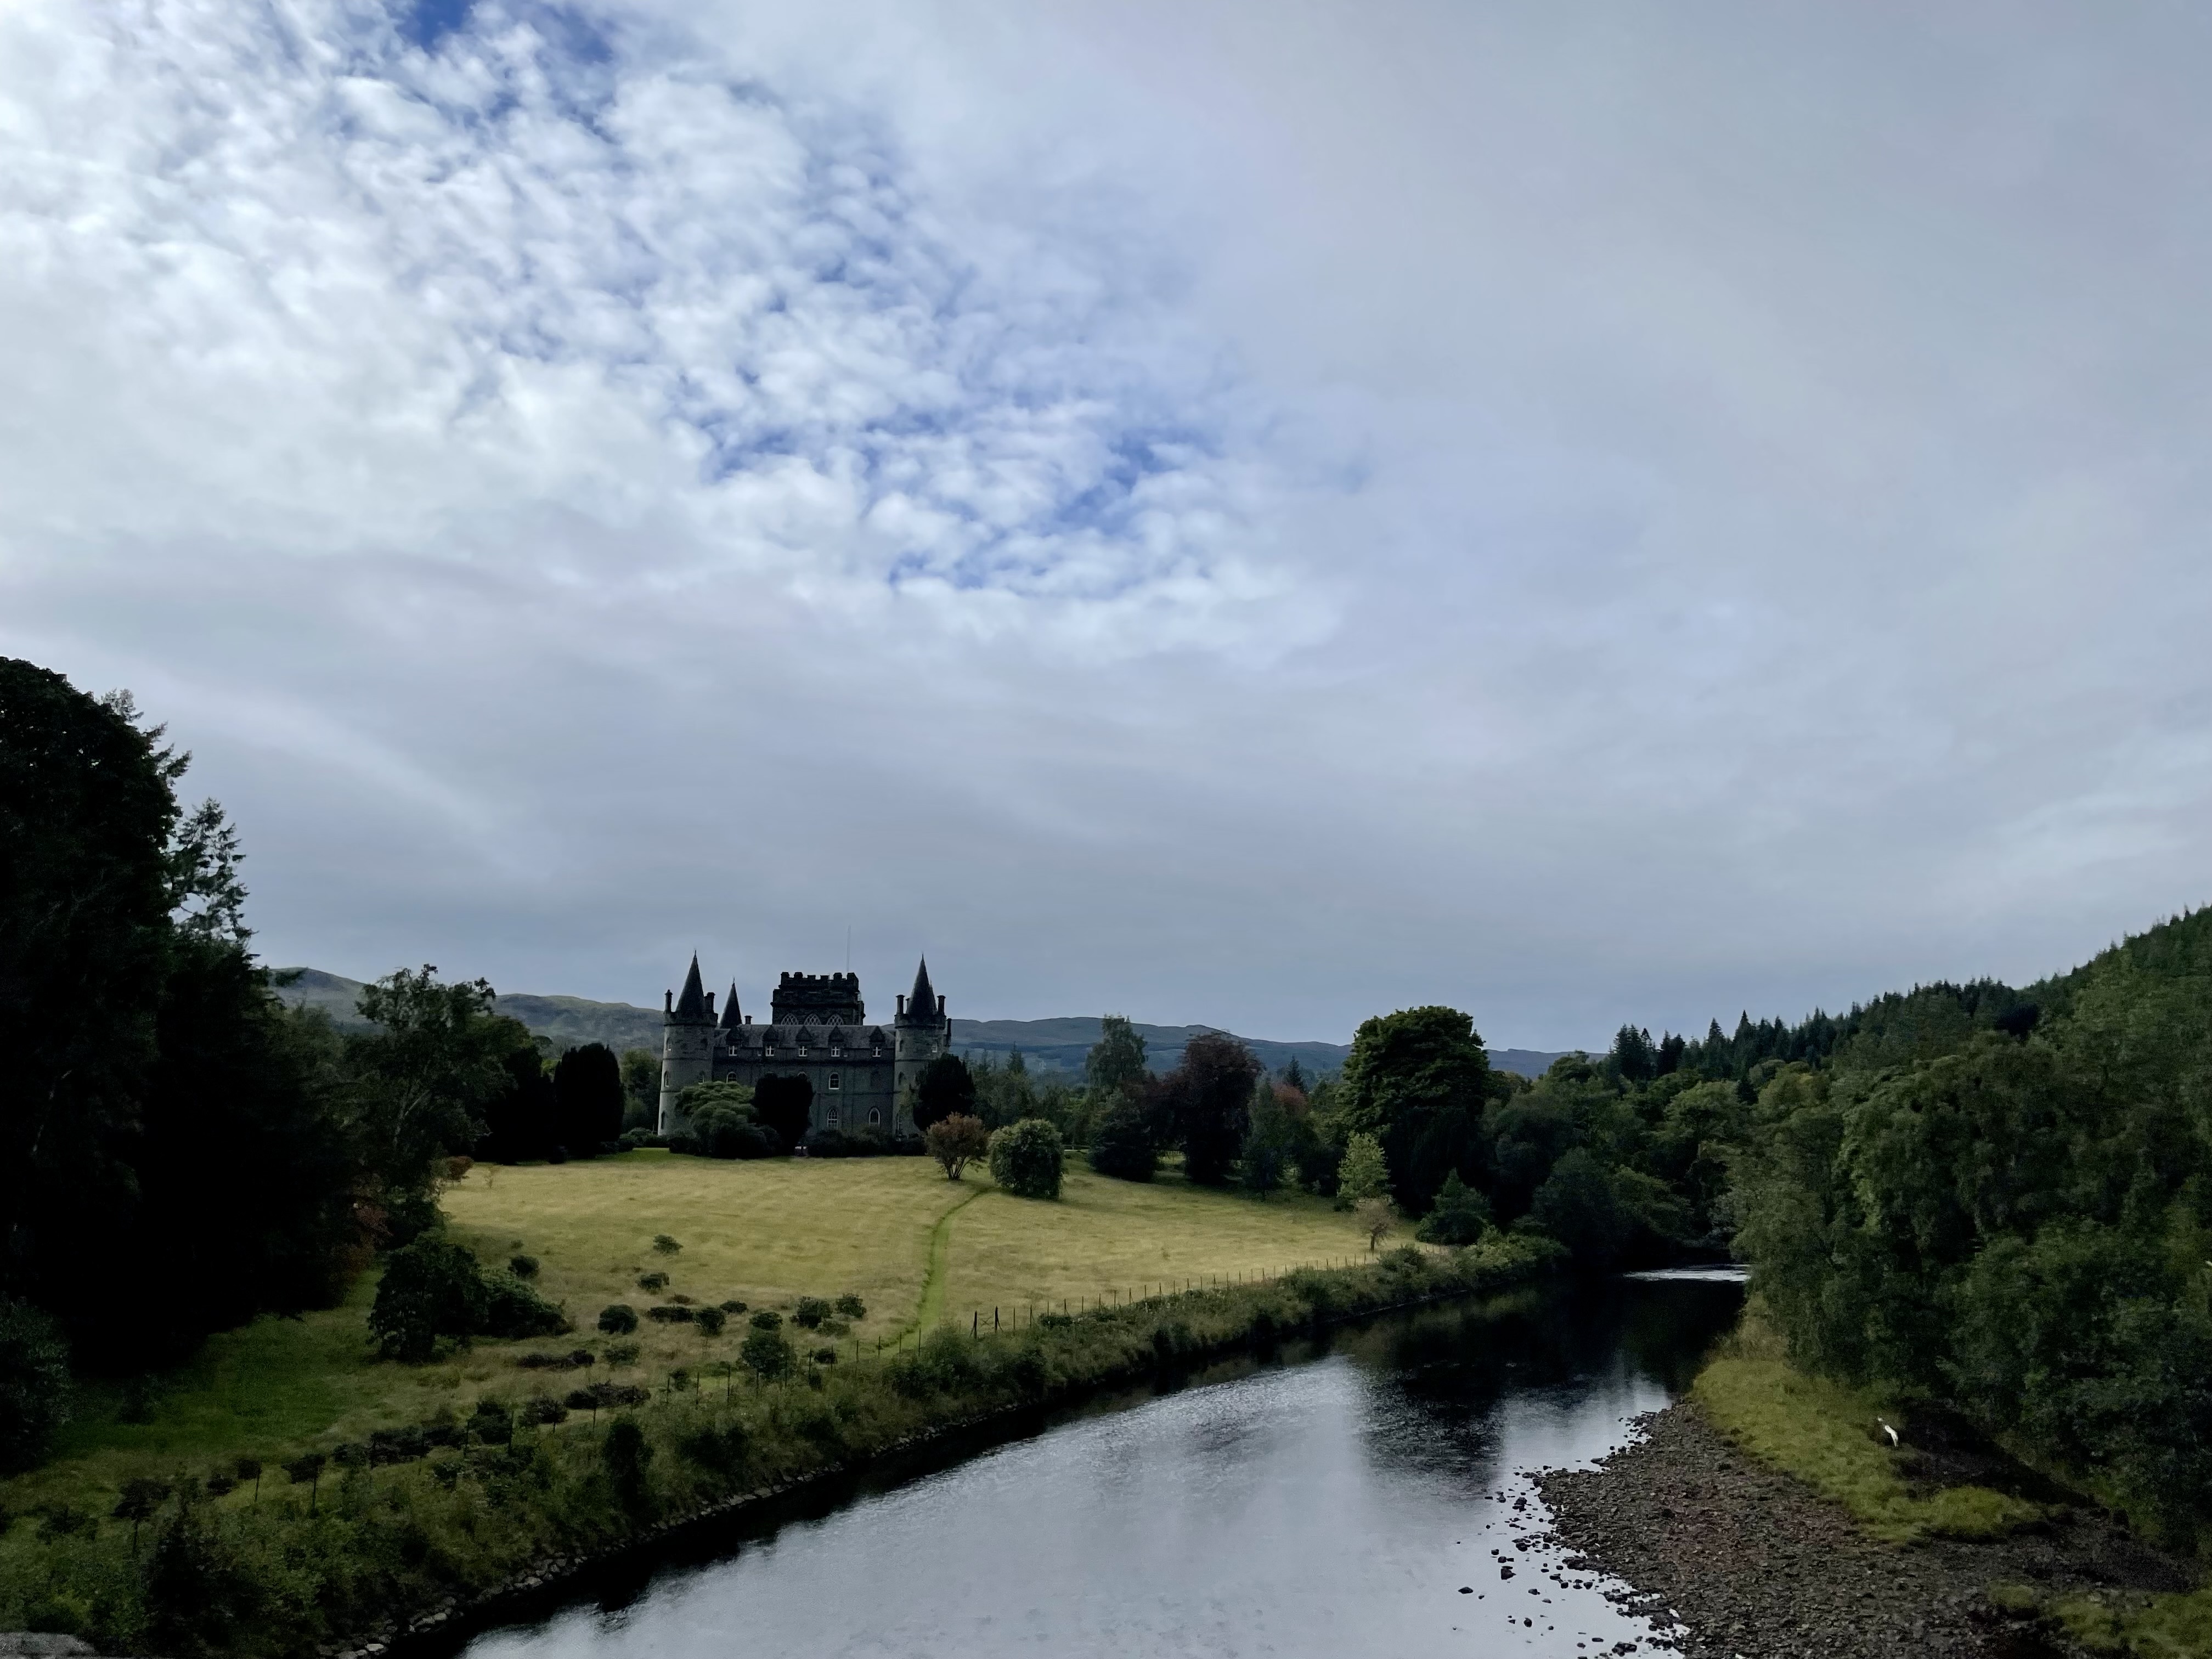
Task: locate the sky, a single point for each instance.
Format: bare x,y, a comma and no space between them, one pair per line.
1254,514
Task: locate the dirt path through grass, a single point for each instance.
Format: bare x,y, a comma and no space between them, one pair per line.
931,1308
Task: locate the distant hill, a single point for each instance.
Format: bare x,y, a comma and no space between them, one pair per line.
1047,1045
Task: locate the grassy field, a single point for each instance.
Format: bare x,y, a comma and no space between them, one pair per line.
764,1233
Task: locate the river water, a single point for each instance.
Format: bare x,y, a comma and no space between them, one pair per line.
1332,1500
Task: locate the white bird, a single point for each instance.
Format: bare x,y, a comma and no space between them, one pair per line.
1886,1430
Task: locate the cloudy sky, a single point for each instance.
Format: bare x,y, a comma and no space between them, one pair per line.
1248,513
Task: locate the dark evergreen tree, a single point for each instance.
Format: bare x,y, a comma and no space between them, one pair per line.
945,1089
785,1105
588,1088
1211,1094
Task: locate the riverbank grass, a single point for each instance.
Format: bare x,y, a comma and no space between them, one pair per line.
1825,1434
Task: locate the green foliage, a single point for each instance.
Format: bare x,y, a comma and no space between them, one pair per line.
523,1267
809,1312
438,1059
1122,1143
626,1454
35,1391
849,1306
1263,1163
1116,1066
711,1322
587,1099
1417,1080
953,1142
432,1289
618,1319
785,1106
2015,1213
1461,1215
1207,1100
766,1355
1365,1172
640,1075
945,1089
153,1074
1025,1158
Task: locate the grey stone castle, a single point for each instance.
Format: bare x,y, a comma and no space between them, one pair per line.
863,1075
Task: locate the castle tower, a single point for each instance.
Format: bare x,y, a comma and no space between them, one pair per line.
687,1045
922,1031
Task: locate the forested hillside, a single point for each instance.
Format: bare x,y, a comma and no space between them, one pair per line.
2004,1199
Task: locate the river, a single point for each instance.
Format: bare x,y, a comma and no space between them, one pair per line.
1331,1500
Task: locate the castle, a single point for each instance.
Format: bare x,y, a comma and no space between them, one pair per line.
863,1077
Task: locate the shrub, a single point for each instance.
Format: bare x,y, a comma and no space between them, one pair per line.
624,1456
622,1353
579,1356
766,1320
523,1267
954,1140
810,1312
721,1450
492,1422
653,1281
663,1245
221,1483
766,1355
711,1321
733,1307
583,1400
670,1314
34,1384
1461,1217
618,1320
543,1409
682,1300
825,1356
1025,1158
850,1306
1121,1144
941,1362
432,1289
387,1446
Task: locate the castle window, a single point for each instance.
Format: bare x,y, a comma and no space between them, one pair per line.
874,1116
835,1083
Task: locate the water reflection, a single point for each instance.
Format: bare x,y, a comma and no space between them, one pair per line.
1330,1503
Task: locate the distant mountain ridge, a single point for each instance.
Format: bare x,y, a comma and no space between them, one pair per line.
1047,1045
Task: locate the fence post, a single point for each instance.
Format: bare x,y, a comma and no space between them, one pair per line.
976,1323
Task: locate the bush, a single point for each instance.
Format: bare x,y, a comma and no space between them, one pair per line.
719,1451
1461,1217
1121,1144
766,1320
523,1267
622,1353
618,1320
850,1306
670,1314
432,1289
514,1309
954,1140
542,1409
733,1307
825,1356
711,1321
34,1384
663,1244
766,1355
810,1312
492,1422
624,1456
1025,1158
655,1281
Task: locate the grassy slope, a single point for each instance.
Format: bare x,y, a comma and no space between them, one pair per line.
763,1233
1817,1431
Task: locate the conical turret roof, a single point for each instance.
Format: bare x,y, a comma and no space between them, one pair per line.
730,1020
691,1006
922,1003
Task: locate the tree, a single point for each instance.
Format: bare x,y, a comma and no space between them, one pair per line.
1122,1143
1578,1206
952,1141
1211,1090
625,1454
34,1385
587,1089
618,1319
432,1289
945,1089
1376,1219
1417,1080
1025,1158
1116,1065
1264,1161
521,1115
1364,1174
640,1071
785,1105
437,1057
1461,1216
766,1355
151,1071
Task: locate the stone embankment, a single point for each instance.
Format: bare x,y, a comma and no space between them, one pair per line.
1736,1560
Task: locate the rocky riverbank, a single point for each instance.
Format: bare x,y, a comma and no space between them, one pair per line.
1749,1563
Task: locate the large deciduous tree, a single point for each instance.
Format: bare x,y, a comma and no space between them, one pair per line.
437,1059
1418,1081
1210,1092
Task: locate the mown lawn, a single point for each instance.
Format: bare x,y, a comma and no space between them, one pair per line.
764,1233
